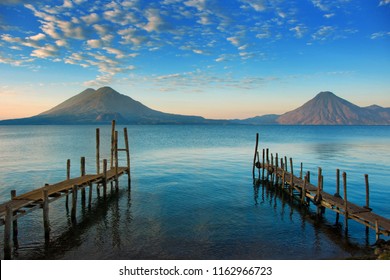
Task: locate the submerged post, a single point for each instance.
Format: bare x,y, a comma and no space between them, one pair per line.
292,177
254,157
337,194
104,177
262,171
74,202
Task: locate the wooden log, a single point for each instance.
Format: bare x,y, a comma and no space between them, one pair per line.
367,192
14,223
97,151
45,207
345,200
127,147
104,177
74,202
7,231
254,158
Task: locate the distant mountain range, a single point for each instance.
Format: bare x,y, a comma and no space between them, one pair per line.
327,109
105,104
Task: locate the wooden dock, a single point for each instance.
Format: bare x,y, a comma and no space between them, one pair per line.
40,198
274,169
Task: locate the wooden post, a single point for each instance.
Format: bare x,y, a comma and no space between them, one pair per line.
82,171
345,200
377,233
67,178
254,158
45,206
112,143
97,151
272,168
285,163
337,194
104,177
367,192
128,156
263,163
267,159
292,177
308,176
14,223
301,173
90,195
7,231
276,168
116,161
303,194
74,202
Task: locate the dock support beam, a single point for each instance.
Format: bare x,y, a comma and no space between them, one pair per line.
127,156
74,203
7,232
14,224
82,173
104,177
45,206
254,157
345,200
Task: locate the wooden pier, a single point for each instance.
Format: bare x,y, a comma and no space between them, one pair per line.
21,205
274,169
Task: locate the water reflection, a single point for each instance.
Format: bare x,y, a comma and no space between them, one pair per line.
288,207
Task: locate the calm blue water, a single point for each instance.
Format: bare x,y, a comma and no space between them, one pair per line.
192,194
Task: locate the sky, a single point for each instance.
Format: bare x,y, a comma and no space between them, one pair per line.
217,59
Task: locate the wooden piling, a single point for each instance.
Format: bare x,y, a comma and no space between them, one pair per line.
267,159
82,171
254,158
127,147
14,223
263,162
345,200
74,202
7,232
303,194
112,143
292,177
301,172
104,177
97,151
276,168
337,194
45,207
367,192
116,160
67,178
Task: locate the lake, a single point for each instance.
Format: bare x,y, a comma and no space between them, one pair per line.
192,194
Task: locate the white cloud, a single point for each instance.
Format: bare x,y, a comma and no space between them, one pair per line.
378,35
93,43
155,22
37,37
384,2
91,18
45,52
325,32
299,30
257,5
118,53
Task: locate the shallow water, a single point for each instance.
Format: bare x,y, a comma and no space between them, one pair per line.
192,193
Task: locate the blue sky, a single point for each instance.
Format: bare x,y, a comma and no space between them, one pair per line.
217,59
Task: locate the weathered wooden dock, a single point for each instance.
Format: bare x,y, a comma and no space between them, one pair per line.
274,169
40,198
